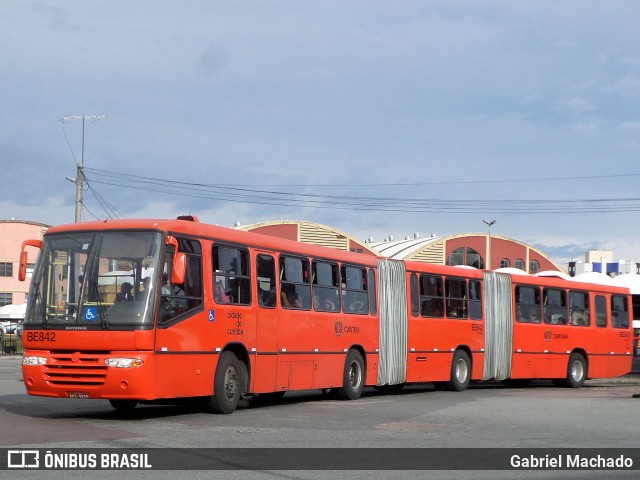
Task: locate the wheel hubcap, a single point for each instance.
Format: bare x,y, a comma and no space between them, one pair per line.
230,383
355,375
461,371
577,371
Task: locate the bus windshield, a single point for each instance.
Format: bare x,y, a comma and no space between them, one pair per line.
95,280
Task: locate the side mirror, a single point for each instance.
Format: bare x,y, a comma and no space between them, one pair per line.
179,270
22,268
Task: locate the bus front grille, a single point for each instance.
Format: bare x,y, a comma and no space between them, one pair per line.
76,370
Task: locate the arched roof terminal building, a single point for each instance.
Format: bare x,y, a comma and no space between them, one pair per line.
473,249
309,232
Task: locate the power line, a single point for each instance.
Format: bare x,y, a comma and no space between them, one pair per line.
110,210
387,205
402,184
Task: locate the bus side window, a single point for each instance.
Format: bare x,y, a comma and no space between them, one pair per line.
373,306
431,296
579,308
456,294
354,290
528,304
266,273
415,295
601,311
295,287
179,299
231,278
619,312
326,286
475,299
555,306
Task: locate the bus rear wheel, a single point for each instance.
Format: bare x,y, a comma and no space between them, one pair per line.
576,370
353,377
460,371
229,384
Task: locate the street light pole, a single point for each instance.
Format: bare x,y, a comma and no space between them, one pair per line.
80,168
490,224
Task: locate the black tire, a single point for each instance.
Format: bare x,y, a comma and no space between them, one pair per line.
353,377
576,370
229,384
460,371
123,405
517,382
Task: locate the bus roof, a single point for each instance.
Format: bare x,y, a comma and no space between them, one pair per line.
195,228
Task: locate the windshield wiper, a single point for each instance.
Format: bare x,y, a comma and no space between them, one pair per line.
37,300
102,311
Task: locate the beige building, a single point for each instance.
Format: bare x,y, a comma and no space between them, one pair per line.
478,250
12,234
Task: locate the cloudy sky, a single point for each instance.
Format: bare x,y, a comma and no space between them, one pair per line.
374,117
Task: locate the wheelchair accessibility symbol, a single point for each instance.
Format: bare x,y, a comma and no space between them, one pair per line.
90,314
212,315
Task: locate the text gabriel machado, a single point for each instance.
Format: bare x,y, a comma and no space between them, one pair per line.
571,461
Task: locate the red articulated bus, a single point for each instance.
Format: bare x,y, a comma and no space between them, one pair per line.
137,311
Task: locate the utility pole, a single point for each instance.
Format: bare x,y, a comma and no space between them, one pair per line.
80,168
490,224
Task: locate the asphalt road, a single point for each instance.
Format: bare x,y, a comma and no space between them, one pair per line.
604,414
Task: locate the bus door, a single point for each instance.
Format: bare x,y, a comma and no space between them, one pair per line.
621,336
598,362
553,362
297,336
266,356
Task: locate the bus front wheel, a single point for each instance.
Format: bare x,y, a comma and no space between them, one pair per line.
353,377
229,384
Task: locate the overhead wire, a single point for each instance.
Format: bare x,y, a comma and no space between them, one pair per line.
406,184
388,204
109,209
64,132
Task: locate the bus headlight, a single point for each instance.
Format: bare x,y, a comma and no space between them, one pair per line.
124,362
34,361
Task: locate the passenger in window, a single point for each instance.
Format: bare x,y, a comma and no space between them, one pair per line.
220,295
323,306
352,306
577,318
125,294
295,301
284,299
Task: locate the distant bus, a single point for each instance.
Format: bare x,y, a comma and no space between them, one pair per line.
138,311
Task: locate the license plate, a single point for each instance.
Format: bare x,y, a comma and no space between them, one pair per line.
78,395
